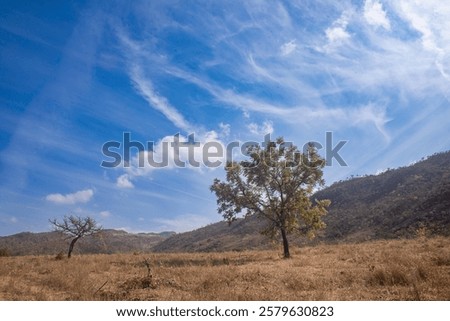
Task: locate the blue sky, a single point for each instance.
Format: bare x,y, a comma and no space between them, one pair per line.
75,75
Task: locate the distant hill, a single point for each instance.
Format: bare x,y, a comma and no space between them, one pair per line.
393,204
108,241
241,234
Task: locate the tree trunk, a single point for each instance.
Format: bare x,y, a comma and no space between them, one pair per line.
72,244
285,244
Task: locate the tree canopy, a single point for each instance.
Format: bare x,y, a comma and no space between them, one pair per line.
276,184
76,227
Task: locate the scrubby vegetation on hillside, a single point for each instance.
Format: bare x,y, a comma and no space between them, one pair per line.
393,204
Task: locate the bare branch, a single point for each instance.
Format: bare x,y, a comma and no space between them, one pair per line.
76,227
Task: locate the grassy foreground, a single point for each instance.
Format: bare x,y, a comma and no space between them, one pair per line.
417,269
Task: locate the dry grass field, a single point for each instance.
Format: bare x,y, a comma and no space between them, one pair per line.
417,269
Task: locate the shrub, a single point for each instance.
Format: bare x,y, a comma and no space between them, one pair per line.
4,252
60,256
388,277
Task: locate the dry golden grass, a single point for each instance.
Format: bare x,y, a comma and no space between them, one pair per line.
416,269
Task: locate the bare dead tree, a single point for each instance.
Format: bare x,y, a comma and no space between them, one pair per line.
76,227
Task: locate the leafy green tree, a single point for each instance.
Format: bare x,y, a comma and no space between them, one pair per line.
275,184
76,227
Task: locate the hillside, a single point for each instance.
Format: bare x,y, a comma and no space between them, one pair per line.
390,205
108,241
241,235
393,204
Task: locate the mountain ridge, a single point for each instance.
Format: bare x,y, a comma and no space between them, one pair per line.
394,204
108,241
398,203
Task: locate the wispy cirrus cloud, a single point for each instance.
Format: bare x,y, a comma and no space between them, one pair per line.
135,56
288,48
158,102
289,75
304,77
430,18
373,72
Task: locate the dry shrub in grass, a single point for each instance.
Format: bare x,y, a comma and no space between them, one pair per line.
299,283
442,260
388,276
60,256
421,273
396,274
218,262
141,282
181,262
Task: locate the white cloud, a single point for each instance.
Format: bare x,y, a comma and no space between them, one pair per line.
13,219
261,130
419,21
375,14
290,114
105,214
288,48
166,156
123,181
225,129
374,114
145,87
369,65
258,70
77,197
430,18
136,54
337,33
